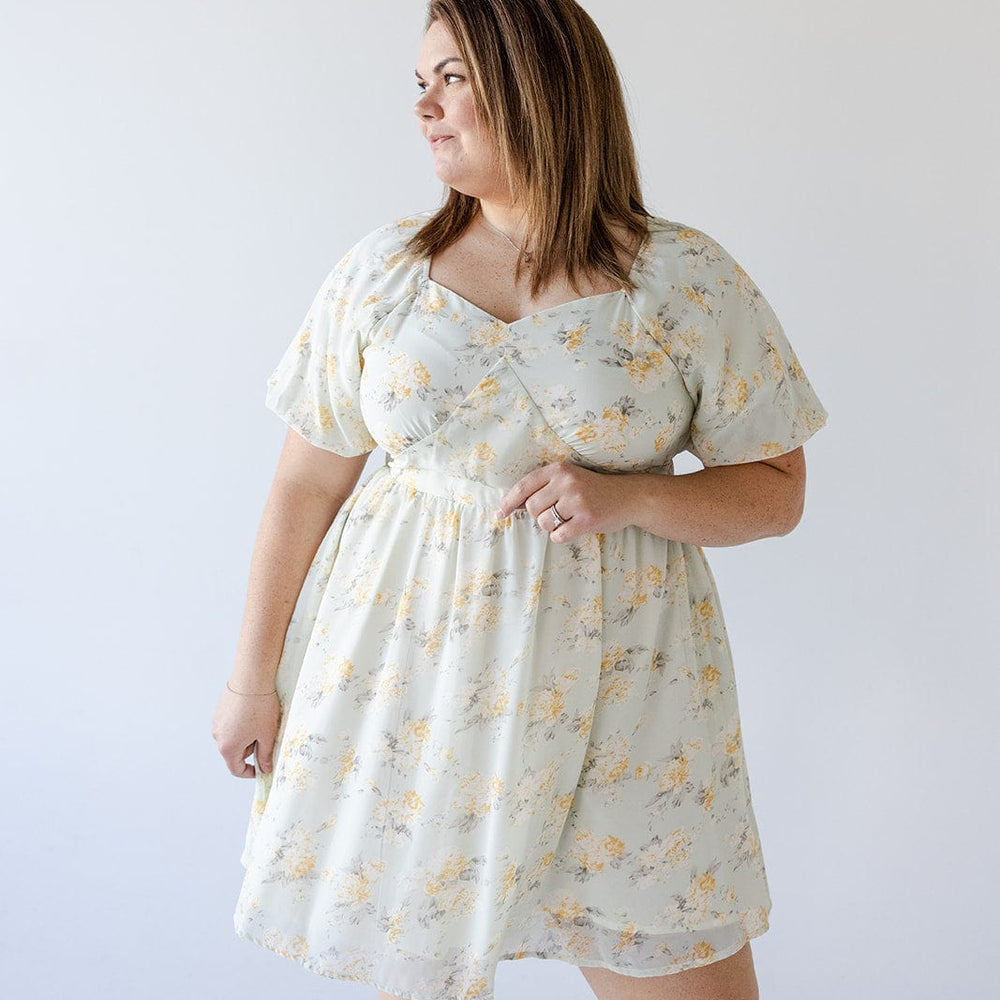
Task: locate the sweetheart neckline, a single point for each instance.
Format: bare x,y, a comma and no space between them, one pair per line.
425,272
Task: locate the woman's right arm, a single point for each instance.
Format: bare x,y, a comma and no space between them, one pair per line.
309,488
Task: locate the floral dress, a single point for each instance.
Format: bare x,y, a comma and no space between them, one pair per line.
492,745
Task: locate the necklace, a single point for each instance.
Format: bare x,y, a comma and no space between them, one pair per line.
527,253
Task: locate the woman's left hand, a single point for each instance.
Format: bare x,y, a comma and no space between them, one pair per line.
586,500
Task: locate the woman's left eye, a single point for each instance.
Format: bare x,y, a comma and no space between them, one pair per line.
448,77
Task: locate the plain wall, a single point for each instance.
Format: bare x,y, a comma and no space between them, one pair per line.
176,181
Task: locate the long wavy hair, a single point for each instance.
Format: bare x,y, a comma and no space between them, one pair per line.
547,91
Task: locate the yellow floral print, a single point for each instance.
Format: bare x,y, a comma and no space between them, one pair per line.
492,746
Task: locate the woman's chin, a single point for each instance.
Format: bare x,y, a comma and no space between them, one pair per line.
458,183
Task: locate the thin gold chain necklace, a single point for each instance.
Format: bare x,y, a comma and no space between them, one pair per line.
500,232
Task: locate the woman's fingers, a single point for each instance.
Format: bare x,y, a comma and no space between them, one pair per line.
519,493
539,502
265,755
243,727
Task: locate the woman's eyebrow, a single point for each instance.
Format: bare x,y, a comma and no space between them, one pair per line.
441,65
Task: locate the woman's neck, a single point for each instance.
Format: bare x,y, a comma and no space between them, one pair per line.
506,217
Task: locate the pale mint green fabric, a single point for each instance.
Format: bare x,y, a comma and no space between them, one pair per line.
492,745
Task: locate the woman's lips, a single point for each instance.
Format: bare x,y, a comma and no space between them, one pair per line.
441,138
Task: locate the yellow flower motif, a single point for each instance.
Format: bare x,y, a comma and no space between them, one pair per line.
421,731
296,948
476,988
483,454
392,441
696,296
392,260
433,639
624,331
704,610
703,951
628,936
677,773
354,888
395,926
709,796
436,882
347,761
324,418
486,389
614,415
656,329
573,337
774,359
398,389
412,802
488,618
488,334
421,374
643,366
677,848
709,675
338,668
549,705
734,391
508,880
614,846
298,860
613,770
690,340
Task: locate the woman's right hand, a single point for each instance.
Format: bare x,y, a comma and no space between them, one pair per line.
244,725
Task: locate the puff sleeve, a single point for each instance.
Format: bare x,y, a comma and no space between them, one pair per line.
315,387
752,399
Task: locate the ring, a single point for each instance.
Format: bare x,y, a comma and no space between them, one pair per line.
555,515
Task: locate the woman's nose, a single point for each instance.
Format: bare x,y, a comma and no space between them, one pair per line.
425,108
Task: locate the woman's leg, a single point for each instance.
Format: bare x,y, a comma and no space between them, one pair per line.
732,978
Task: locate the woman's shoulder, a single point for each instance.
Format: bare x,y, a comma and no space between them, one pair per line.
386,245
379,268
680,242
681,258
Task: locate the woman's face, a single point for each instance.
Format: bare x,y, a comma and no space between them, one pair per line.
464,156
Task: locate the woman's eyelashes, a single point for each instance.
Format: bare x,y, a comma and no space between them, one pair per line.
421,86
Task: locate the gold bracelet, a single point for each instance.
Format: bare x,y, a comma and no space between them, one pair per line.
248,694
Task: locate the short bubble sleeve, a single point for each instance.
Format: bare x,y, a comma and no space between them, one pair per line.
315,387
752,398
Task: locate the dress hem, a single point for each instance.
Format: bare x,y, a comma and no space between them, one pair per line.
315,967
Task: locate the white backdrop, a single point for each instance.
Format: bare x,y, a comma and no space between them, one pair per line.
178,178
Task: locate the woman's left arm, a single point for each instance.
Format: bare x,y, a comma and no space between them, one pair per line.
715,506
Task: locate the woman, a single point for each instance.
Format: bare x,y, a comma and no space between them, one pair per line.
489,691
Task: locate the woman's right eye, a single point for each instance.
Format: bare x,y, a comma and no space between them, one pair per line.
448,77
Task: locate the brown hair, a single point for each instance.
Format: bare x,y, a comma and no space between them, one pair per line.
547,90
